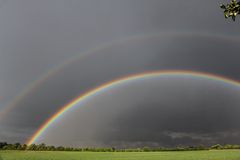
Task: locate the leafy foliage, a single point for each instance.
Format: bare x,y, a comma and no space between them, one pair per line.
232,9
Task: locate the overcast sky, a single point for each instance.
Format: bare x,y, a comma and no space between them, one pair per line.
134,36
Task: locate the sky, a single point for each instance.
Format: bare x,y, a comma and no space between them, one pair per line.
52,51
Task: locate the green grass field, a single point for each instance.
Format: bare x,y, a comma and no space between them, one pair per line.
190,155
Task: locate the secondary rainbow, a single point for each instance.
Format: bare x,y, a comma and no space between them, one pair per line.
116,82
43,78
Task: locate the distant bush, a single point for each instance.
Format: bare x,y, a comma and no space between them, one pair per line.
44,147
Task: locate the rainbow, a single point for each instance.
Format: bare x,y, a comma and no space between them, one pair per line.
55,70
119,81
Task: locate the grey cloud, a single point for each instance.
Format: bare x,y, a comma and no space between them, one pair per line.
37,36
121,59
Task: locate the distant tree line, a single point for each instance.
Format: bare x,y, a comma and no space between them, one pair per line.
44,147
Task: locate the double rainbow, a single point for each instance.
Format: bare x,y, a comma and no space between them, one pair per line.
43,78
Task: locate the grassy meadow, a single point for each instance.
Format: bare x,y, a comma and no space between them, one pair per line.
179,155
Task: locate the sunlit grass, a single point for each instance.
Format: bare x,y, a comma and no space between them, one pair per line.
188,155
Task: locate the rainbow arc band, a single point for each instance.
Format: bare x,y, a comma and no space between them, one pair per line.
119,81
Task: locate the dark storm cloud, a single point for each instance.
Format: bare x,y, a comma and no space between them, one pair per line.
121,59
39,35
